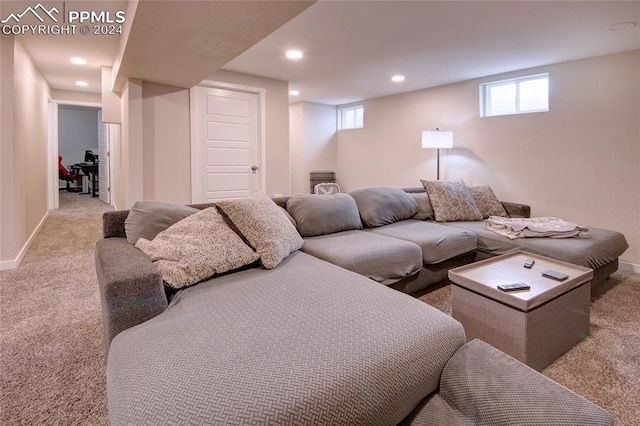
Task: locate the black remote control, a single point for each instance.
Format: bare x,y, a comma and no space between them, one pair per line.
529,263
555,275
513,287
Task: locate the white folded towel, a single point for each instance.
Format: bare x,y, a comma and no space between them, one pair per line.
535,227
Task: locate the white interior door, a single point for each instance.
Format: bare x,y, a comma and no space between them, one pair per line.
103,161
225,150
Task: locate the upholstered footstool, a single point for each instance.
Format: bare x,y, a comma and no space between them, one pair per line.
534,326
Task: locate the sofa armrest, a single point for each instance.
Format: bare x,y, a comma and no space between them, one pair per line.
131,287
482,385
516,209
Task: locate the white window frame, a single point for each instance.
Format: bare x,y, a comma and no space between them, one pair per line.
341,113
485,98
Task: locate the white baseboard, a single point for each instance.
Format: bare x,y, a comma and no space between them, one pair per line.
13,264
628,266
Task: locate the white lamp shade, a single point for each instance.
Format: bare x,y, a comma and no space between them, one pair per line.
437,139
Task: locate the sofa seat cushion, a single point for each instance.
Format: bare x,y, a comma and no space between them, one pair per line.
600,248
383,259
438,242
304,343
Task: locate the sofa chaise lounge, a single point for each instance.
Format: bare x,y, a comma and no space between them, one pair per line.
307,341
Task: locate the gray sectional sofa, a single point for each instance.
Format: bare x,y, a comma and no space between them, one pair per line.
322,337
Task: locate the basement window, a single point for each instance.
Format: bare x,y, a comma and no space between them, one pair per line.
351,117
515,96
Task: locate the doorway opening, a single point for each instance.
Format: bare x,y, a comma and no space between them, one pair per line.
79,144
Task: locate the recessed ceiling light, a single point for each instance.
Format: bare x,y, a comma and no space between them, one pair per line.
78,61
294,92
397,78
82,83
294,54
621,26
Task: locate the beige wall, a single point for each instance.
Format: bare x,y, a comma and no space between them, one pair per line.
71,96
24,150
579,161
167,153
313,142
129,151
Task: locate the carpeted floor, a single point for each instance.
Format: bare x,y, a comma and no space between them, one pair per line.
605,367
52,360
52,367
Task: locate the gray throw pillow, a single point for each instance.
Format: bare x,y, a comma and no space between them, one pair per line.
382,205
324,214
147,219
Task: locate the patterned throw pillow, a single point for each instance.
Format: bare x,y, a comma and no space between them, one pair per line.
487,202
264,225
451,201
196,248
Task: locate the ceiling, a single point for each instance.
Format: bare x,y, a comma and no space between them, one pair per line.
351,48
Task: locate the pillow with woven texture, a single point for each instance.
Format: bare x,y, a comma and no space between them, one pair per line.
147,219
487,202
264,225
324,214
425,209
196,248
382,205
451,201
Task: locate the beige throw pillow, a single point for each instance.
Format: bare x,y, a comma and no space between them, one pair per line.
196,248
264,225
451,201
487,202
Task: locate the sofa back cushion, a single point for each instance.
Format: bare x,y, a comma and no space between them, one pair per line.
324,214
147,219
425,209
382,205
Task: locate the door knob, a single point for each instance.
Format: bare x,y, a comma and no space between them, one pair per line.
254,168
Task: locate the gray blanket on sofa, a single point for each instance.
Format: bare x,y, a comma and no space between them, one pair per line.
304,343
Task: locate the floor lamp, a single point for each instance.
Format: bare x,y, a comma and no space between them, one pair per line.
437,139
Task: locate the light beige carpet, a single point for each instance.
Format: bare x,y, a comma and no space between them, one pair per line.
52,361
605,367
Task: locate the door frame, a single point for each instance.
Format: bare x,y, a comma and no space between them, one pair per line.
53,200
196,186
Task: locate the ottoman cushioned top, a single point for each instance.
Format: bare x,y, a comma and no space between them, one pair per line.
602,247
438,243
383,259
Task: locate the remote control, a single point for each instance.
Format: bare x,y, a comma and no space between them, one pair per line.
513,287
555,275
529,263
